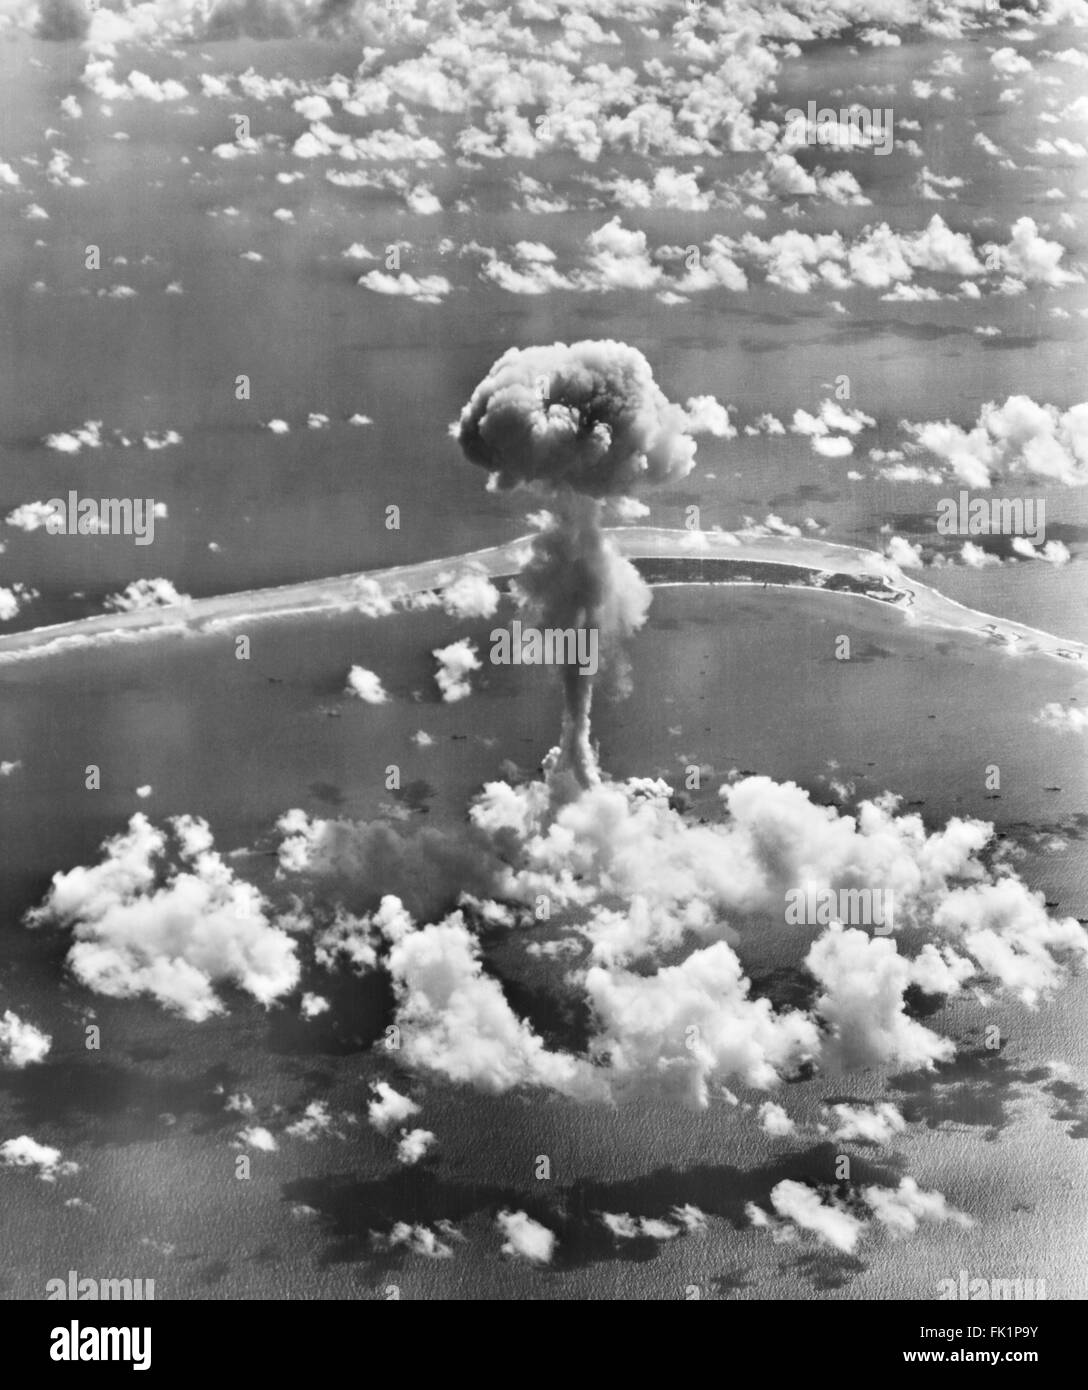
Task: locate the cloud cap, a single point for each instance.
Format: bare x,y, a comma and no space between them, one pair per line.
587,416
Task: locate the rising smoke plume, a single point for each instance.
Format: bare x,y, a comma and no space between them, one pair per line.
587,425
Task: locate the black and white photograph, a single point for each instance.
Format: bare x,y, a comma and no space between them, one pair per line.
544,658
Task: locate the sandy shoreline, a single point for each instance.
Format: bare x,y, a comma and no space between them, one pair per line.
673,557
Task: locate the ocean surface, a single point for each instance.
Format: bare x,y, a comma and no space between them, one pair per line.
312,502
724,676
727,677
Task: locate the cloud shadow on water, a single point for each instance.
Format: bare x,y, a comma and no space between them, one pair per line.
361,1007
977,1088
108,1105
350,1209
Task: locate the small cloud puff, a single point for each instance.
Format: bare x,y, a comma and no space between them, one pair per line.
366,686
